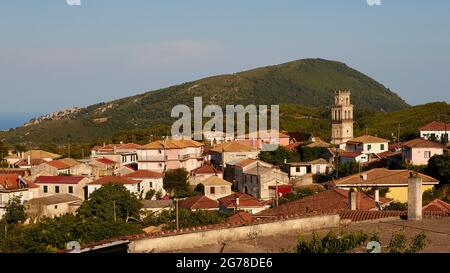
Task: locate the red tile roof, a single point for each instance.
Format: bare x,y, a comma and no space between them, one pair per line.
144,174
240,217
437,205
106,161
114,180
110,147
293,146
349,154
436,126
330,201
58,179
361,216
205,169
34,162
58,165
422,143
199,202
245,201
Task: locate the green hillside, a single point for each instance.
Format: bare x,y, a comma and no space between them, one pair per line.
305,83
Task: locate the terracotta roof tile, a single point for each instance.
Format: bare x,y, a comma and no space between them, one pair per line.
422,143
114,180
205,169
368,139
245,201
59,165
58,179
436,126
234,146
240,217
144,174
199,202
437,205
381,176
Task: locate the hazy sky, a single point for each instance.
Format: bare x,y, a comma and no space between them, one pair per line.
54,56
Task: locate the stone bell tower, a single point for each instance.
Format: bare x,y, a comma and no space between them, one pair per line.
342,118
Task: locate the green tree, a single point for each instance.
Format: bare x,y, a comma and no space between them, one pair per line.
176,181
15,211
439,168
307,154
111,203
150,194
279,156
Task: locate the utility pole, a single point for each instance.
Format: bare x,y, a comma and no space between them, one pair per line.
114,206
177,214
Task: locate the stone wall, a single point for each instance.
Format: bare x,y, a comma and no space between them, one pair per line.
197,237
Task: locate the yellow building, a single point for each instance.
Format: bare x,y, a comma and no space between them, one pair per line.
395,180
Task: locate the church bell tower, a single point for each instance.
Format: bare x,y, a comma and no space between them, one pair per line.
342,118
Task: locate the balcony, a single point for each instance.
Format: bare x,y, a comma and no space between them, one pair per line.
154,158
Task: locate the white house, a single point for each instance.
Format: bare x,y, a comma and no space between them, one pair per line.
435,131
134,186
367,145
353,156
149,180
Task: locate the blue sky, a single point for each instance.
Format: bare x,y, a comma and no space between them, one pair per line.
54,56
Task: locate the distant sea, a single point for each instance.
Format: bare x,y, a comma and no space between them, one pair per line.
13,120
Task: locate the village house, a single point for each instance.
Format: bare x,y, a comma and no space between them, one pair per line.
51,185
199,202
367,145
299,169
135,186
418,151
234,171
13,185
29,159
241,202
231,151
396,181
170,154
150,180
436,131
51,168
257,180
215,187
353,157
217,137
204,172
52,206
103,167
257,140
123,154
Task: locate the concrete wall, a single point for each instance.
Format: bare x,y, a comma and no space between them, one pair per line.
210,237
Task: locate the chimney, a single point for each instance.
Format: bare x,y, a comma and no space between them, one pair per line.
377,195
237,202
352,199
414,197
29,160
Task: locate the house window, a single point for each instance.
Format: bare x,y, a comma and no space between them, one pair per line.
369,147
159,152
297,169
427,154
70,189
56,206
45,189
56,189
382,147
212,190
160,165
150,184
